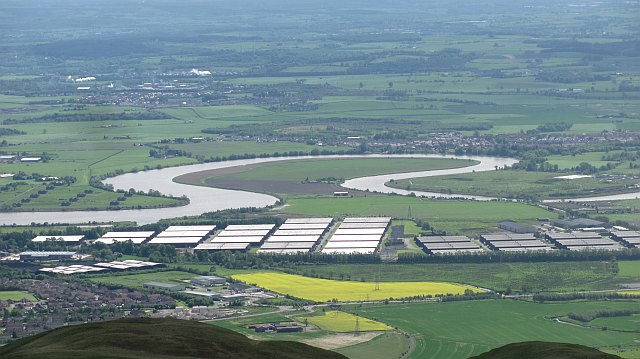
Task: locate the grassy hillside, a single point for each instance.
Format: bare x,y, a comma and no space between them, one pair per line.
154,338
542,350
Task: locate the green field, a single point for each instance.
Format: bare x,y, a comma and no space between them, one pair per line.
454,217
16,296
517,277
461,329
323,290
319,176
517,184
386,345
627,323
629,269
338,321
137,280
342,168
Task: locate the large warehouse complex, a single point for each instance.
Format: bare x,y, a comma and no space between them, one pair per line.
297,235
448,244
183,236
357,235
514,242
353,235
238,237
134,237
579,241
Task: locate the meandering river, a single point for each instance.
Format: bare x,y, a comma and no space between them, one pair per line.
208,199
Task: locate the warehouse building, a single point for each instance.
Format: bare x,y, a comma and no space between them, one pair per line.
208,280
135,237
70,240
578,223
448,244
237,237
357,235
516,227
628,238
296,236
183,236
46,255
513,242
578,241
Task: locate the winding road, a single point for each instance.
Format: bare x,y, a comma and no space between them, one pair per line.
207,199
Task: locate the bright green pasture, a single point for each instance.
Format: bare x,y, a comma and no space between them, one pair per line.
137,280
501,277
461,329
630,323
16,296
463,217
516,184
630,269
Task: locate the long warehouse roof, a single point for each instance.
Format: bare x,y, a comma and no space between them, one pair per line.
348,251
364,225
360,231
249,227
367,219
191,228
358,244
175,240
183,234
58,238
244,233
239,239
223,246
349,237
309,220
299,232
135,240
128,234
293,238
289,226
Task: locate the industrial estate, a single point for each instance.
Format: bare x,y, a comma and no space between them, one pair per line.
356,179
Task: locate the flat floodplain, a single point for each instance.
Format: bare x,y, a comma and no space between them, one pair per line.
312,176
321,290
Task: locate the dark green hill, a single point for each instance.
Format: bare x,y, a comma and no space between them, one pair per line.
544,350
154,338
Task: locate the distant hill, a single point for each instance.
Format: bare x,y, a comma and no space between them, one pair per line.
143,338
544,350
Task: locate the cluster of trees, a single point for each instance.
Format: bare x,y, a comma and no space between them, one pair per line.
10,132
552,127
561,297
570,76
166,151
314,152
586,317
78,117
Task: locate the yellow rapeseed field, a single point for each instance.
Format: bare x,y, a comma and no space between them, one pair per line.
338,321
323,290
